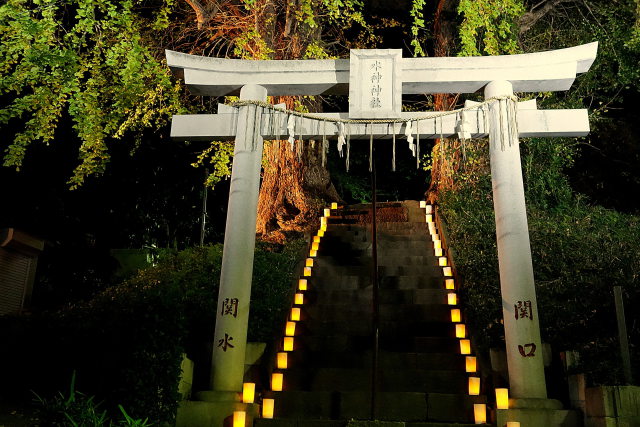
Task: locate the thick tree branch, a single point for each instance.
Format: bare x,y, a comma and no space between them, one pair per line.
538,12
204,10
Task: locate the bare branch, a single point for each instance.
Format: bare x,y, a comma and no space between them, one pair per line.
538,12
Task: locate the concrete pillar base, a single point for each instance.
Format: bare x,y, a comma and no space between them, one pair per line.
216,411
537,413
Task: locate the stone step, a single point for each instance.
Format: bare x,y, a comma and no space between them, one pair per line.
397,379
326,270
363,282
384,259
284,422
386,360
385,296
363,326
392,406
388,312
388,341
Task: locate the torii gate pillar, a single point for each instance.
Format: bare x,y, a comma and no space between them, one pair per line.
232,317
519,308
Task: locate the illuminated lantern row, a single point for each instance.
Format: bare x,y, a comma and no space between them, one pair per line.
282,357
471,365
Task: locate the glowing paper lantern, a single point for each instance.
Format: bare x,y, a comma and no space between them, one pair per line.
447,271
298,299
248,392
442,261
267,408
429,218
316,239
327,212
307,272
502,398
323,228
480,413
334,205
449,284
309,262
455,315
302,284
315,246
432,227
321,232
429,209
438,252
461,330
513,424
287,345
290,329
295,314
452,299
313,253
465,346
323,220
474,386
437,244
239,418
435,236
470,364
282,360
277,378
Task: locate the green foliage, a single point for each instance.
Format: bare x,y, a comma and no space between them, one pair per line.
417,26
79,410
489,27
88,59
579,252
127,342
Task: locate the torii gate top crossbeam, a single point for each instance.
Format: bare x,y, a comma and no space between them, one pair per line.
532,72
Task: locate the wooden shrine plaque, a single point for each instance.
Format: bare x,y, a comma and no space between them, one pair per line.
375,84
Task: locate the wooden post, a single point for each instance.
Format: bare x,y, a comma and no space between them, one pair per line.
622,334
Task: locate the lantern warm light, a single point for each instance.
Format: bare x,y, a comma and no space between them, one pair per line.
480,413
474,386
447,271
449,284
248,392
437,244
277,378
290,329
435,236
307,271
327,212
313,253
315,246
309,262
461,330
334,205
423,204
465,346
442,261
470,364
432,227
502,398
239,418
302,284
438,252
267,408
316,239
323,228
429,218
455,315
287,345
321,232
298,299
295,314
452,299
323,221
282,360
429,209
513,424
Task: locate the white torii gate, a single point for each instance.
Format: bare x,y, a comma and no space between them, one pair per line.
375,81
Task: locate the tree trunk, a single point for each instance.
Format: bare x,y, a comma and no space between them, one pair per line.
444,32
295,187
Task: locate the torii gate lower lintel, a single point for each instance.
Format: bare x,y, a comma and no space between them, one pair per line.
498,76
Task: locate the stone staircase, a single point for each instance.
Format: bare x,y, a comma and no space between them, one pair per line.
422,378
